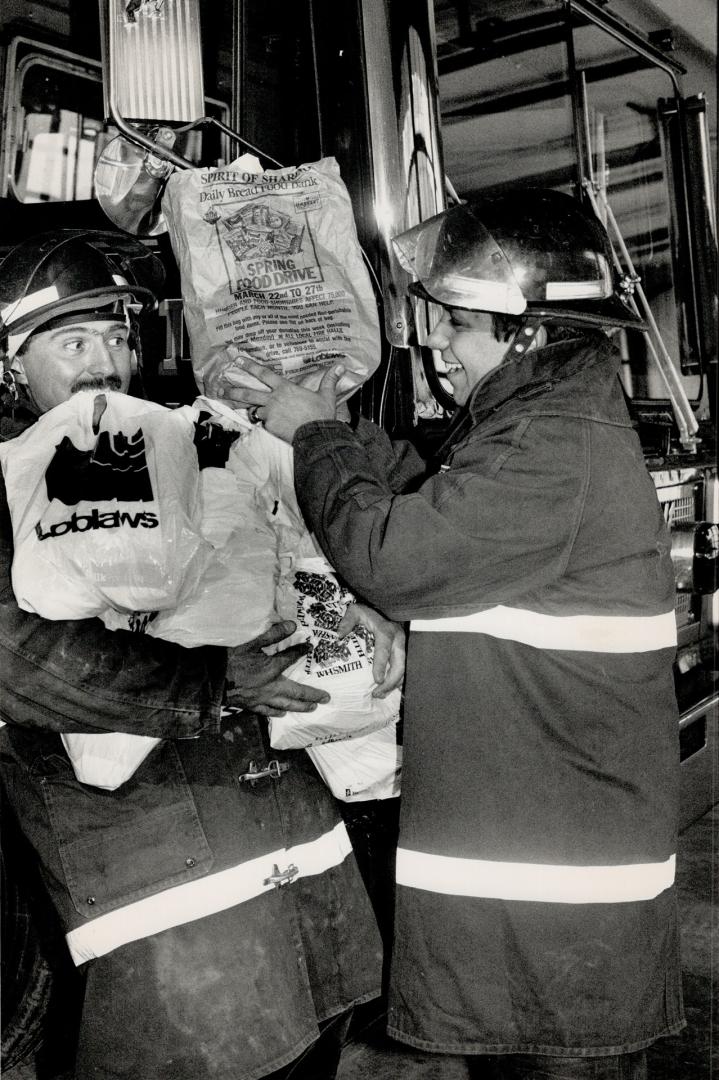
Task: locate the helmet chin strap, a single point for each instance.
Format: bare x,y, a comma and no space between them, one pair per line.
522,340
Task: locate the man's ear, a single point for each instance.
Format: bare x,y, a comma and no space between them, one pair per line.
16,368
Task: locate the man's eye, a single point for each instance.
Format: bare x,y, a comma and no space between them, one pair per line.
75,345
117,341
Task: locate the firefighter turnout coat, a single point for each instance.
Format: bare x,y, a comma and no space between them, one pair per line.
535,907
213,898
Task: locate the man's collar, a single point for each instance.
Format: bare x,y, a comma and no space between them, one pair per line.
525,375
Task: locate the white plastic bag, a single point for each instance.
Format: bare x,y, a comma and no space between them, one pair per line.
271,266
356,770
263,564
106,761
104,498
309,593
105,512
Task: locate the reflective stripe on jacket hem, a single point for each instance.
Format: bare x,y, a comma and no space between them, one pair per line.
579,633
534,881
205,896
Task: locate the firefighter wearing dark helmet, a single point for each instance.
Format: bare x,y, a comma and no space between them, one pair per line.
212,900
65,279
535,911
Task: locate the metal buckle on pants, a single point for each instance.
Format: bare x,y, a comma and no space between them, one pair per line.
278,877
273,771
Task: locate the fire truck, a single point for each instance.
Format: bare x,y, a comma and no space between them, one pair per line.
423,105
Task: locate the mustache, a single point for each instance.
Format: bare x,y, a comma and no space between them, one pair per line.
97,382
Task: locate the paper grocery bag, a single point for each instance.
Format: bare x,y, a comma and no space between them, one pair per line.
271,266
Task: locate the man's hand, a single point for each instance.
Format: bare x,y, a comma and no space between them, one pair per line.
389,647
220,374
282,406
259,684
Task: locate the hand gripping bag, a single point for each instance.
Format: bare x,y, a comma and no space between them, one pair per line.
309,593
271,266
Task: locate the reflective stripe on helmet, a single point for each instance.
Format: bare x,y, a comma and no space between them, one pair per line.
84,308
39,299
514,251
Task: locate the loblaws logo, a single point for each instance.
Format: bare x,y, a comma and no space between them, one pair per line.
111,519
116,469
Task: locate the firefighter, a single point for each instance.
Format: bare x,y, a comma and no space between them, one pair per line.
536,917
213,899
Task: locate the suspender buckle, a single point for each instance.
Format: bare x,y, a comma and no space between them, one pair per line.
273,770
278,877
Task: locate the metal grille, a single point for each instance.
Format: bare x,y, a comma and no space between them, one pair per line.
681,509
155,59
683,607
675,511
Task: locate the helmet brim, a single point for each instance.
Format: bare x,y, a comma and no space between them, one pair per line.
36,320
608,313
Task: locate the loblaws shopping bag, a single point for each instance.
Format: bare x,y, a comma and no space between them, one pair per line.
234,599
104,498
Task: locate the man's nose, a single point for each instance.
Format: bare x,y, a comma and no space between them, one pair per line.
440,336
100,357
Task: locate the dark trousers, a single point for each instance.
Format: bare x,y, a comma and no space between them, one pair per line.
320,1060
538,1067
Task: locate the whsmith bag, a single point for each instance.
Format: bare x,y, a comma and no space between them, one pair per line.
271,266
310,593
368,767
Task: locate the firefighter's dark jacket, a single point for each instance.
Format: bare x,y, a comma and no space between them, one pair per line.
536,908
222,916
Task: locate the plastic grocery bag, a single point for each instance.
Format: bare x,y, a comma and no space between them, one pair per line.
356,770
271,266
310,593
104,498
106,761
234,599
